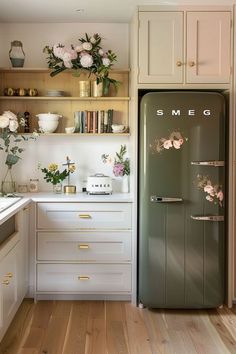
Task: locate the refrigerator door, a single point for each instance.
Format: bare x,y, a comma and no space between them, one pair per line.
181,199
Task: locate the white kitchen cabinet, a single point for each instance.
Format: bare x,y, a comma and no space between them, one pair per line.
9,281
184,47
83,248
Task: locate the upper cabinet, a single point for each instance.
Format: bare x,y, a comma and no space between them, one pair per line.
184,47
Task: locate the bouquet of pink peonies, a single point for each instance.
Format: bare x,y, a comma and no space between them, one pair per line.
87,56
121,165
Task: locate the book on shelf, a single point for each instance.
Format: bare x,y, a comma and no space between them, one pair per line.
94,122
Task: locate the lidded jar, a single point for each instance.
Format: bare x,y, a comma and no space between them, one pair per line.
16,54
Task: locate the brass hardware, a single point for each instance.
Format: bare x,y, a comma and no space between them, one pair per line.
70,189
9,275
83,277
191,64
6,282
85,216
179,63
83,247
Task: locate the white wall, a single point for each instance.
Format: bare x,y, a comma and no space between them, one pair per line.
36,36
85,151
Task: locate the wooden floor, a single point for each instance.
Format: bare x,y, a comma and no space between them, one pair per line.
92,327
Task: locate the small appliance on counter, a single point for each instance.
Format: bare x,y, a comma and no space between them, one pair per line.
99,184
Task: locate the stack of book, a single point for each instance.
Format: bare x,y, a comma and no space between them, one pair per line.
95,122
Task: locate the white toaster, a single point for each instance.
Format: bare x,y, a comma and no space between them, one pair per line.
99,184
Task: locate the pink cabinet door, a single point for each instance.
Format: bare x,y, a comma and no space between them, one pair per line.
208,47
161,47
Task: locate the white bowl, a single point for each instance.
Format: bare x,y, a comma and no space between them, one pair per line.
69,130
48,126
48,116
118,128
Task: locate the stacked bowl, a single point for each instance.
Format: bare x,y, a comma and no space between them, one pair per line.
48,122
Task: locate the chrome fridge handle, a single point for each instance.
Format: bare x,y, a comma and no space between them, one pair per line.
156,199
208,218
208,163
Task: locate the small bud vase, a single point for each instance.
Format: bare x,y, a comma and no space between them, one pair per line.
125,184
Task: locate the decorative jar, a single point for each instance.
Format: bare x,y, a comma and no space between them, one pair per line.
16,54
57,188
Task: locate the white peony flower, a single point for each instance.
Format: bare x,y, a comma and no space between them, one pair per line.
87,46
100,52
13,125
106,61
10,115
209,198
86,61
79,48
58,51
4,122
176,144
167,144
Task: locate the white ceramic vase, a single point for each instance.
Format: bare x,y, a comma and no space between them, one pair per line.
125,184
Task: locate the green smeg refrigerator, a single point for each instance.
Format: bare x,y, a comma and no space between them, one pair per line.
181,208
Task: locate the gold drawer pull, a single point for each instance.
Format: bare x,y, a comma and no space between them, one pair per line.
83,277
9,275
85,216
6,282
83,247
191,64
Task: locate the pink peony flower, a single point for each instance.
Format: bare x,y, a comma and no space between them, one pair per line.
220,196
181,141
87,46
86,61
118,170
167,144
58,51
68,64
209,189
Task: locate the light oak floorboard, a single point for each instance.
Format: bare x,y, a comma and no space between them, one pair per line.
103,327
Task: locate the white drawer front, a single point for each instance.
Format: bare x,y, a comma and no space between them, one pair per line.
84,216
84,278
84,246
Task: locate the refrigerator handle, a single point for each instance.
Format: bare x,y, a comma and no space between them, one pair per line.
156,199
208,163
208,218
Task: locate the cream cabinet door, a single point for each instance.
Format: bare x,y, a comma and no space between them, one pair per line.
208,47
161,47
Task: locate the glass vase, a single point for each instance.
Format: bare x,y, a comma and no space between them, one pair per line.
8,184
57,188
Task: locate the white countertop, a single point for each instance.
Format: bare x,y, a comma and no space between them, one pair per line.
68,198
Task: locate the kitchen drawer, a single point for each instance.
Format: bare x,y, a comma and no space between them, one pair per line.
84,246
84,216
85,278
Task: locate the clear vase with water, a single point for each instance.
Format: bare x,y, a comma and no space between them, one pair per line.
8,184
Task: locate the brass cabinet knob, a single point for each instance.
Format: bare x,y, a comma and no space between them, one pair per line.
5,282
9,275
83,246
191,64
83,277
84,216
179,63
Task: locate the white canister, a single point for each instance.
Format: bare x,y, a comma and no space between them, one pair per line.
34,185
